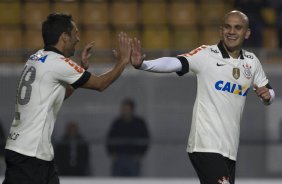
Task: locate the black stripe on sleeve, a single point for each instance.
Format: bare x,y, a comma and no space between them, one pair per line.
82,80
268,86
185,66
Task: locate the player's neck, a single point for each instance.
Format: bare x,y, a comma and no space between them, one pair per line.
60,47
234,53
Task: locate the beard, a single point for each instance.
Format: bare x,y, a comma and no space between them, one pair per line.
69,52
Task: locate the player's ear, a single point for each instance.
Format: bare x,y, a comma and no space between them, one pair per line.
248,33
64,36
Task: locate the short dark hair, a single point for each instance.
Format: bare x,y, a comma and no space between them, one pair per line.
129,102
54,26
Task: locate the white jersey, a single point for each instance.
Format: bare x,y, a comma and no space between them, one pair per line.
223,84
40,94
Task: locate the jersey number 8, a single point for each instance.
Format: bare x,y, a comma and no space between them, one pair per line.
27,79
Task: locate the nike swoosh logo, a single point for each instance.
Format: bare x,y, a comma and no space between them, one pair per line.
217,64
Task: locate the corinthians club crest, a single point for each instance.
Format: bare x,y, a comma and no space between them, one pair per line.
236,73
247,71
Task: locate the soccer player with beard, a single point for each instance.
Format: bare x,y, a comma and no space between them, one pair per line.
50,76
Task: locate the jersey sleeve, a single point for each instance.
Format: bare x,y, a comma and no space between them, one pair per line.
162,65
69,72
193,61
259,75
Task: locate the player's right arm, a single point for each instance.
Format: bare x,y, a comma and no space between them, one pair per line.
160,65
101,82
180,64
68,72
123,54
84,63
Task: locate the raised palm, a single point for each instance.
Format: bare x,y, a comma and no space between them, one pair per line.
85,55
136,55
123,51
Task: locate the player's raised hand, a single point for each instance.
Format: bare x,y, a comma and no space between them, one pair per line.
123,52
262,92
136,56
85,55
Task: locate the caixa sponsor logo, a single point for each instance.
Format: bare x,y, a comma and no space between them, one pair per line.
229,87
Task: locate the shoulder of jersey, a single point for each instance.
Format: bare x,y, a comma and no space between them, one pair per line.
195,51
55,59
70,63
249,55
213,49
43,56
52,56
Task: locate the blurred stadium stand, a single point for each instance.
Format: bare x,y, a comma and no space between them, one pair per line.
34,13
159,24
166,28
95,13
154,13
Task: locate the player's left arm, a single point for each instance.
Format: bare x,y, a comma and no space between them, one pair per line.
84,63
261,84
